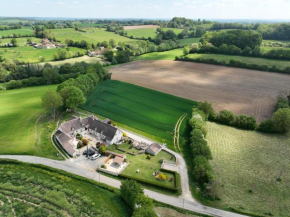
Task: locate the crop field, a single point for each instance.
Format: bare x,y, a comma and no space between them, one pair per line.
24,31
32,55
93,35
246,165
30,190
166,55
242,91
189,41
146,110
23,128
281,64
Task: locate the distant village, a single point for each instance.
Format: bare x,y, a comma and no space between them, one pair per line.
47,44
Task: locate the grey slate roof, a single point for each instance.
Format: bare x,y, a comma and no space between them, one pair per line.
64,140
100,127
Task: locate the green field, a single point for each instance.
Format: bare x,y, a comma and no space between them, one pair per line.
281,64
93,35
146,110
21,130
176,31
33,191
21,41
32,55
189,41
24,31
165,55
246,165
139,33
266,49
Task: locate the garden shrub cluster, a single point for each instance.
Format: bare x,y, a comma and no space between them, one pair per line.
141,205
201,169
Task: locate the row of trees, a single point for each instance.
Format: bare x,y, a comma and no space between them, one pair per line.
218,26
72,93
201,169
275,31
17,26
236,63
133,193
239,38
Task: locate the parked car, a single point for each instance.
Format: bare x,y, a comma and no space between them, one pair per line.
95,156
90,152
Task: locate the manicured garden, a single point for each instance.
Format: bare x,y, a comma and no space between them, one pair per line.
147,165
24,129
146,110
43,191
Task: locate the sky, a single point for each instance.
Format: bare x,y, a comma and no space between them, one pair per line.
204,9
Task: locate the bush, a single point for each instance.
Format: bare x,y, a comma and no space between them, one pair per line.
85,142
207,108
282,103
281,120
267,126
103,149
80,144
245,122
199,144
226,117
161,176
104,166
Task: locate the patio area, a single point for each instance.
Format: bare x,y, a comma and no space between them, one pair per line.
113,168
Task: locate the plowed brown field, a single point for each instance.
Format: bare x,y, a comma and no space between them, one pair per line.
239,90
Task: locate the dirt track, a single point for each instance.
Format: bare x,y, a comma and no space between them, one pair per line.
140,27
239,90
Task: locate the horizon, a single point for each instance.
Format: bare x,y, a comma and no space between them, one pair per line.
192,9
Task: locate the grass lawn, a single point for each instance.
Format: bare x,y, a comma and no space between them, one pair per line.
146,110
246,165
32,55
165,55
23,31
139,33
189,41
281,64
30,190
93,35
21,133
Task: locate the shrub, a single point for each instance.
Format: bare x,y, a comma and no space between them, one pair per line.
103,149
282,103
80,144
226,117
104,166
148,156
206,107
199,144
161,176
267,126
245,122
85,142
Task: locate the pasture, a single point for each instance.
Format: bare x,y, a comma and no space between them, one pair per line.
165,55
146,110
246,165
242,91
20,41
23,31
140,27
32,55
140,33
281,64
189,41
23,130
49,192
93,35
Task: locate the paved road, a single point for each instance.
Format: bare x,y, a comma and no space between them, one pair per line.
71,167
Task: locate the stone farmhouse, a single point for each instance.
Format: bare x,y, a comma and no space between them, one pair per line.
90,127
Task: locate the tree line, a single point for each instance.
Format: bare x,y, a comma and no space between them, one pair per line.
17,26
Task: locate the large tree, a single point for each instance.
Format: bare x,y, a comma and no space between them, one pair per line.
50,74
130,192
281,120
72,97
51,101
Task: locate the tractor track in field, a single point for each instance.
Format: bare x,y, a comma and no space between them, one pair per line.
176,131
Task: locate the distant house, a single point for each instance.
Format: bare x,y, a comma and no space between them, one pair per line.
153,149
95,53
45,44
60,45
